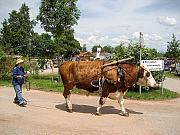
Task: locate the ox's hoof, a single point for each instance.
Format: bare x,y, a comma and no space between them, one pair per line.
70,110
126,114
98,114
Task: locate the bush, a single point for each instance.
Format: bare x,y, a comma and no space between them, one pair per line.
2,54
158,75
6,66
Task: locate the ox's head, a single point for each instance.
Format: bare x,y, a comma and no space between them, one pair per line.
145,77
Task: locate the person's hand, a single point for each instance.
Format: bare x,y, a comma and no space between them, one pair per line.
19,76
26,75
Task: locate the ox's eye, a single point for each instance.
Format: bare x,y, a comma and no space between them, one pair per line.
147,74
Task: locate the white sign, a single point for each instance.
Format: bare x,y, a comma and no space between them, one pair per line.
154,65
98,52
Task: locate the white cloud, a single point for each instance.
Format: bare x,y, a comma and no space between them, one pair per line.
116,40
112,21
104,38
122,38
156,37
95,38
147,37
92,38
136,35
168,21
152,37
178,33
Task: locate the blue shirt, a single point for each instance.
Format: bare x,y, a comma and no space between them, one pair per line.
18,71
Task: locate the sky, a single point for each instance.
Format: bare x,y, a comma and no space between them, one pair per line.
110,22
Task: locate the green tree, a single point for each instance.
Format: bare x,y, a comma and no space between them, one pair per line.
173,49
120,52
42,46
26,28
15,34
14,25
94,48
57,16
66,44
2,54
133,50
6,65
35,41
149,53
5,37
84,49
108,49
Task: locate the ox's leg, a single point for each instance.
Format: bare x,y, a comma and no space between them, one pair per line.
68,104
66,95
102,101
121,103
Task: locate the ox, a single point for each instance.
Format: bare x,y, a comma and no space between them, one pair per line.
85,74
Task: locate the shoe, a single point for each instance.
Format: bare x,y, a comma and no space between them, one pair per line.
25,102
16,101
22,104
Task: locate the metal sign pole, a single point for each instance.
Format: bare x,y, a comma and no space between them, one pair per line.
162,80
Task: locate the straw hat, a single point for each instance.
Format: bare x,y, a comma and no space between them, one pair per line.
19,61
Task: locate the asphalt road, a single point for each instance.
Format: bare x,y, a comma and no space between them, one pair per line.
172,84
45,115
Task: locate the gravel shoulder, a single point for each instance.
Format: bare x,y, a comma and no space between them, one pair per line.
45,115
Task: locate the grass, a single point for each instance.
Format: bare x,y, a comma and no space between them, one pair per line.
5,83
153,94
45,83
171,75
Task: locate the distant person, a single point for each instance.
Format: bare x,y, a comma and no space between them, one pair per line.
17,81
170,69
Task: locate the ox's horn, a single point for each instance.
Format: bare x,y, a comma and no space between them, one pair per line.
116,62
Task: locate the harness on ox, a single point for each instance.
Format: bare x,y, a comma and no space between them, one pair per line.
120,75
120,82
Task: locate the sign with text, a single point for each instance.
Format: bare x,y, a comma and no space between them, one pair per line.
154,65
98,52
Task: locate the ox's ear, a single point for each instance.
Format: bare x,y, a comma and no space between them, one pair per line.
141,72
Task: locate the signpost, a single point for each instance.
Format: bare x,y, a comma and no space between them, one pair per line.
155,65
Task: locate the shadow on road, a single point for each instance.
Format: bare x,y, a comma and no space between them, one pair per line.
92,109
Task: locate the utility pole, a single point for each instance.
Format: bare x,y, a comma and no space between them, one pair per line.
141,41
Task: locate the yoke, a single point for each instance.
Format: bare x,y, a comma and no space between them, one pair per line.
120,74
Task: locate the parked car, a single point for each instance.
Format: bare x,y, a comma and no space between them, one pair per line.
177,69
167,64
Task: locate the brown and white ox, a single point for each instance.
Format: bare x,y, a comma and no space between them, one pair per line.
82,74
